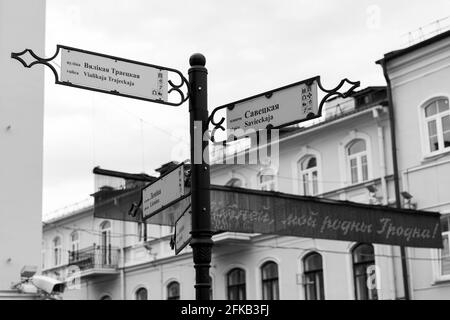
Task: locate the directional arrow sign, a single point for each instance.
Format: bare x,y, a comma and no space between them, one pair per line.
108,74
183,228
277,108
163,192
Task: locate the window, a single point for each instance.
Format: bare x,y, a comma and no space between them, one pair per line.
363,261
43,256
173,291
106,297
236,284
313,277
57,251
437,120
358,161
267,181
445,252
210,288
75,245
141,294
237,183
308,176
269,273
105,242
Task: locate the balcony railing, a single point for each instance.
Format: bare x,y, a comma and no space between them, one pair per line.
95,257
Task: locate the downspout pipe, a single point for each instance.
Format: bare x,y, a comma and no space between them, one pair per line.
398,203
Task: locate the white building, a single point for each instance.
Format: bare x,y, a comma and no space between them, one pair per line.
327,159
346,156
22,25
419,77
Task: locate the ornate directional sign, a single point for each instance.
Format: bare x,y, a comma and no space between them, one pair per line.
279,108
288,105
108,74
164,191
183,228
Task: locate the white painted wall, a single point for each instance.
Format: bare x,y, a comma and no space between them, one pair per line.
417,77
22,25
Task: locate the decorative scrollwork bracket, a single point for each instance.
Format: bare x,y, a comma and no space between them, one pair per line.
335,92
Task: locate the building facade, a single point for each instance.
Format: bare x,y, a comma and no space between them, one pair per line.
347,156
22,25
419,79
326,159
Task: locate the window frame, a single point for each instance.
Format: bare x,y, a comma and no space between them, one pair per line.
344,165
297,183
358,157
315,273
424,120
366,264
105,242
437,256
240,286
233,181
168,287
57,251
309,172
270,185
270,282
138,290
75,243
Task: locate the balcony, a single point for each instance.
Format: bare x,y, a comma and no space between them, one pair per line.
95,261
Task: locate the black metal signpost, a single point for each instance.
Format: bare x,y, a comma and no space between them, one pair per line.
201,242
108,74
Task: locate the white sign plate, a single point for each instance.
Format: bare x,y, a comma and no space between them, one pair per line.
108,74
282,107
163,192
183,228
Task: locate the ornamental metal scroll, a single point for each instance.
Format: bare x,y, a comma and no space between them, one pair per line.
82,71
335,92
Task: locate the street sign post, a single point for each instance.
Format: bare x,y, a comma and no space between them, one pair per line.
112,75
163,192
201,242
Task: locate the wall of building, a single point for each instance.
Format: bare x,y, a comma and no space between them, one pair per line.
22,25
417,77
156,268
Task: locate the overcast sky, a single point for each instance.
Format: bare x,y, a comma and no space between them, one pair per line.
251,47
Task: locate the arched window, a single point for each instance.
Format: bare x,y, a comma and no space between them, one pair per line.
173,291
236,284
445,252
363,267
57,251
105,242
141,294
43,256
313,277
210,288
235,182
267,180
358,161
308,176
437,119
106,297
75,245
269,275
